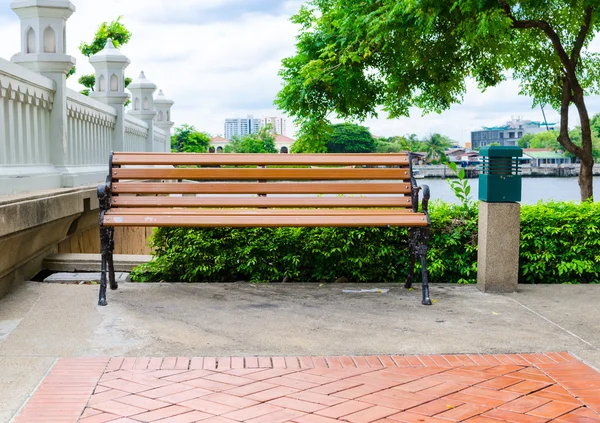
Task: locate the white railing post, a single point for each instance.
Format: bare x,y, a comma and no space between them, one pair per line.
110,65
43,32
163,118
142,102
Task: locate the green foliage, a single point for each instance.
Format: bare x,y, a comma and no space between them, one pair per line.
545,139
187,139
263,142
88,81
349,138
398,144
560,243
388,147
436,145
460,187
114,30
301,254
356,57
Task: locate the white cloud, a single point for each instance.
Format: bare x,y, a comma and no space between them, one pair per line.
220,58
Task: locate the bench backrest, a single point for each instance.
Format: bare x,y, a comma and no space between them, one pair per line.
261,180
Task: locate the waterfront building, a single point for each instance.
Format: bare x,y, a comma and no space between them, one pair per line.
508,134
539,157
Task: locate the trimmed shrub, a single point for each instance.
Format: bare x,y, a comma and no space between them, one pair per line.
559,244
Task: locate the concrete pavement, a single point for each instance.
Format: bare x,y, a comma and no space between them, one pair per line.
42,322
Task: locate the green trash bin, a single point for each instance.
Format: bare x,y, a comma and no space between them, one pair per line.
500,174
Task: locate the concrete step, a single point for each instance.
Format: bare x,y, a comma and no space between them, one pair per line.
91,262
82,278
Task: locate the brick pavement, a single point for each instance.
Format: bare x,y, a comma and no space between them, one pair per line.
517,388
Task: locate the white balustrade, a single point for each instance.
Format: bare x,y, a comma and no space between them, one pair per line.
136,134
90,128
160,138
25,104
52,136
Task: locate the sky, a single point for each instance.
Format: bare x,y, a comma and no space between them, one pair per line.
220,59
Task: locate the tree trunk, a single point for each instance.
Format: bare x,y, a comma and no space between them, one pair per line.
586,173
586,176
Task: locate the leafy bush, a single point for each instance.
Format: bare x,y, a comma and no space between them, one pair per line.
311,254
560,243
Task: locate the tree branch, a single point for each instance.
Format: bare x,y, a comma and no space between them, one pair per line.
583,32
550,33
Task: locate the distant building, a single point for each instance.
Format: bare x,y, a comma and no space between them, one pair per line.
278,124
509,134
217,144
539,157
283,144
238,127
462,156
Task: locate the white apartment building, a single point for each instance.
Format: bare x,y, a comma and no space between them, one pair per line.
278,124
241,126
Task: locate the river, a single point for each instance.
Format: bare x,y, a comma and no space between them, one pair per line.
534,189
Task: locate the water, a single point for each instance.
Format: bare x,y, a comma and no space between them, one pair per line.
534,189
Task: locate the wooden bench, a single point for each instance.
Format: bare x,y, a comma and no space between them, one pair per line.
262,190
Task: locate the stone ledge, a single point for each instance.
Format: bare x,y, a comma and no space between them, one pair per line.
91,262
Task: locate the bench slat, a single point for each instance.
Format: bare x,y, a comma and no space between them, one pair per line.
268,174
396,159
402,220
255,212
145,201
260,188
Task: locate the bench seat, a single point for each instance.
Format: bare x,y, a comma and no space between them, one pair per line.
260,218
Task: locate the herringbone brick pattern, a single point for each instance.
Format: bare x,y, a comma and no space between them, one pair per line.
526,388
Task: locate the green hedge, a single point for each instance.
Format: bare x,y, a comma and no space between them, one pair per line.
559,244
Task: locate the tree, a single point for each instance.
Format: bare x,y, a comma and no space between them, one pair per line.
435,146
187,139
263,142
355,56
349,138
546,139
114,30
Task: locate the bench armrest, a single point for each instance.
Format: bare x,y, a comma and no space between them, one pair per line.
104,195
426,196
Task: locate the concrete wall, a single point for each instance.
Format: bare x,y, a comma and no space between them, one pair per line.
57,221
32,226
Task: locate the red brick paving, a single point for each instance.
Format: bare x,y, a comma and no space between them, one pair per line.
515,388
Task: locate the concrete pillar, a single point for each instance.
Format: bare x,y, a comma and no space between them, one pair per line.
43,50
142,99
110,65
499,242
163,118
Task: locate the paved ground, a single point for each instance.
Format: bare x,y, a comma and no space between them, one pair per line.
534,388
40,323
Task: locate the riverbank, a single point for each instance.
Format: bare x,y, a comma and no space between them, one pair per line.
441,171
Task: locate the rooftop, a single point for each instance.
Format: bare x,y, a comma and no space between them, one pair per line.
543,154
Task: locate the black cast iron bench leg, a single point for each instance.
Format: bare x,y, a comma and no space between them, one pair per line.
111,266
422,239
411,265
104,251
